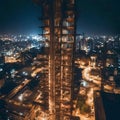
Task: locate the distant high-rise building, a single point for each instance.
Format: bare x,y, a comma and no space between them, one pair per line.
2,59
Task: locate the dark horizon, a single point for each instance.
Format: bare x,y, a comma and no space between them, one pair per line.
101,17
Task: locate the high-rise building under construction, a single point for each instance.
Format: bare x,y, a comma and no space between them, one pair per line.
58,17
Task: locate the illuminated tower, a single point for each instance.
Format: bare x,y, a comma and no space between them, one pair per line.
59,32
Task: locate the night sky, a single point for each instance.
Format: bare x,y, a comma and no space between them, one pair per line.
99,16
19,17
94,17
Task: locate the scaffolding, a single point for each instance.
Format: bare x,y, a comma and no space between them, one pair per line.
59,31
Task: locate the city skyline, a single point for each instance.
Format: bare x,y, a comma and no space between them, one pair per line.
59,60
94,17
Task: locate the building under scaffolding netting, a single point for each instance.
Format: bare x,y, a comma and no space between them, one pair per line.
59,31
